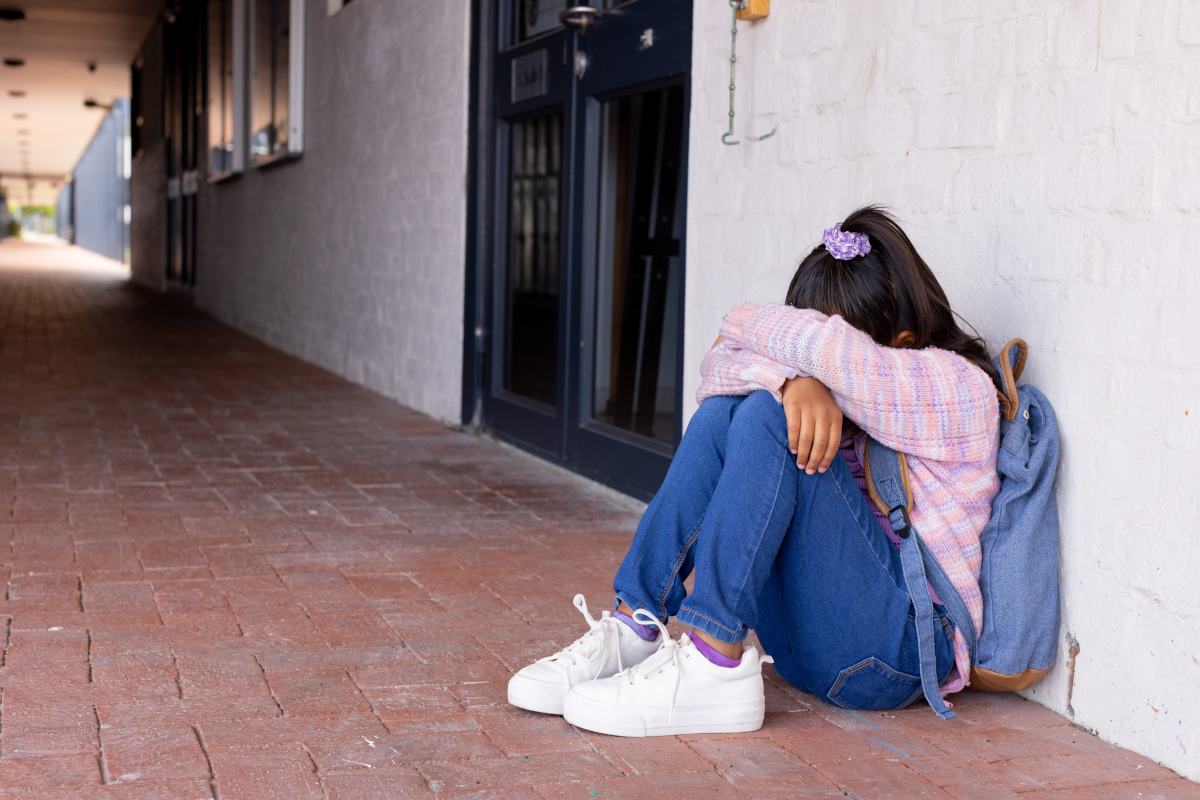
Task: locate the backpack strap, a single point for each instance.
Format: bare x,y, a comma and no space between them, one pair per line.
886,473
1012,359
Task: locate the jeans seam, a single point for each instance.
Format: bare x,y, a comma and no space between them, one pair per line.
919,692
674,573
849,672
762,532
713,621
846,673
844,676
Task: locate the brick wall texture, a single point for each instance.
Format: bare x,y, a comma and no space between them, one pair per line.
352,256
1043,157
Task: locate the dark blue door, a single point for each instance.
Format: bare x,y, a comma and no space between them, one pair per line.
590,108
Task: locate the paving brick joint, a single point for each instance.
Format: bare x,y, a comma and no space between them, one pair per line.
230,574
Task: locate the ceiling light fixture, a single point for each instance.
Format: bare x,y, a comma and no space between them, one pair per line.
14,62
11,14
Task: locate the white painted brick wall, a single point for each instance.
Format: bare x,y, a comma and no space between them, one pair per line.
352,257
1045,158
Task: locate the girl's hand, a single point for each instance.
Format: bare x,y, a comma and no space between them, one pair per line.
814,423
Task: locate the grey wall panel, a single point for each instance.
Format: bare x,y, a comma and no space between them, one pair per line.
352,255
99,189
64,215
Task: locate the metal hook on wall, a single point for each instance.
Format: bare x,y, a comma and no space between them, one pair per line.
737,5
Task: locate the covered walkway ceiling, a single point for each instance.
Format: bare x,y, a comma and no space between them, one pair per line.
60,54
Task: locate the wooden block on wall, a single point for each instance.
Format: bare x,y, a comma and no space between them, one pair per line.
755,9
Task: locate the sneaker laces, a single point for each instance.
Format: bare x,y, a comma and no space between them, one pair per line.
668,654
593,643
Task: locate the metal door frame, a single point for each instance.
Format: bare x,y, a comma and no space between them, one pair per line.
541,432
184,85
584,446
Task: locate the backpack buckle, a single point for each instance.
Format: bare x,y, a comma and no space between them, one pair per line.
901,524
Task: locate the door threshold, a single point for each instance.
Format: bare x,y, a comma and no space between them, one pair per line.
616,496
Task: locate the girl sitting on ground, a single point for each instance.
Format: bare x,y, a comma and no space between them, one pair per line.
766,502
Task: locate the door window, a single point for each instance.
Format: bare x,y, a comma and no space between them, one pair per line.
637,263
531,358
222,140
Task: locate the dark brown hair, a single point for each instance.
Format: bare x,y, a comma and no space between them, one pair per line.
889,290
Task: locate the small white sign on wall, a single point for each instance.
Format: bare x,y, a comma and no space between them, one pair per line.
529,76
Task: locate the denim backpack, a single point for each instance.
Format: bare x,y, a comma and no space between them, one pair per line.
1019,574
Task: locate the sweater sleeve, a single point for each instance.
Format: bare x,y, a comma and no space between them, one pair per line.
928,403
729,369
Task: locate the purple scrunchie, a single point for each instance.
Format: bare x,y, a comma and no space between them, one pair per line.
844,245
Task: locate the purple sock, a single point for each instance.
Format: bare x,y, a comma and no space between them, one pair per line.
649,634
712,655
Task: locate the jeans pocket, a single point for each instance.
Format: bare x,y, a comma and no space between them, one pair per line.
872,685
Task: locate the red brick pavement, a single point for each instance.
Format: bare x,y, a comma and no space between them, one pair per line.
228,573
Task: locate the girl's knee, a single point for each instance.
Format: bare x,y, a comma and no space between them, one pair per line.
715,413
761,411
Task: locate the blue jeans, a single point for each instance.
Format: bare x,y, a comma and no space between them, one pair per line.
799,558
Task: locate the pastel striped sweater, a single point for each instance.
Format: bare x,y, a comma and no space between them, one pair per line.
934,406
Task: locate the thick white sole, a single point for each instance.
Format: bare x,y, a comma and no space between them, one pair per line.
591,715
535,696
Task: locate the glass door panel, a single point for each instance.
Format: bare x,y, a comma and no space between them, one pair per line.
638,263
525,328
531,315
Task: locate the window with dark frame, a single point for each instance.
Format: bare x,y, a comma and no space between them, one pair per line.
271,80
221,142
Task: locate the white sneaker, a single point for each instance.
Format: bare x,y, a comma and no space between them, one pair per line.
677,690
607,648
